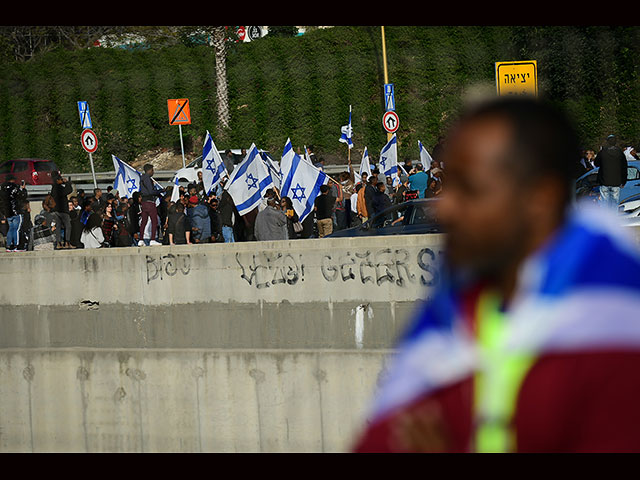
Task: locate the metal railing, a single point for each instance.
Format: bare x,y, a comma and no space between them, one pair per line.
84,181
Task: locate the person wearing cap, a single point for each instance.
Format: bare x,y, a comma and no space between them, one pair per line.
612,173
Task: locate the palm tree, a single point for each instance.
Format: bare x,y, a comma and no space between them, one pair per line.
222,95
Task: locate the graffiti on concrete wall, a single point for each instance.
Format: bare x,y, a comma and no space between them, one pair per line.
387,265
395,266
267,269
169,265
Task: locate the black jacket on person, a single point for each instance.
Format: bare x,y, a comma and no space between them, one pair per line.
612,166
59,193
380,202
177,226
133,213
369,193
148,192
11,196
216,223
227,209
324,204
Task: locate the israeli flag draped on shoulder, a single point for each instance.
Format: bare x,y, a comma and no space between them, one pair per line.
213,169
389,160
248,182
425,158
579,292
347,132
301,181
127,179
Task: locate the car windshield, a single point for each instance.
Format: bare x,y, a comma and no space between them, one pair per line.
392,216
423,213
45,166
20,166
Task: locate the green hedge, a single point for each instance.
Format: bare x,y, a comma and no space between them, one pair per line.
301,88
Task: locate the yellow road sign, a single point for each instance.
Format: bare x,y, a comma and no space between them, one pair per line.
517,78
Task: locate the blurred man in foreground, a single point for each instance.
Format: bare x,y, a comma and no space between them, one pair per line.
531,342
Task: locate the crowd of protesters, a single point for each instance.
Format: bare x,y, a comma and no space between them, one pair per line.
72,219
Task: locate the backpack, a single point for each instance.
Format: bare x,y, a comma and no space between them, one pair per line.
410,195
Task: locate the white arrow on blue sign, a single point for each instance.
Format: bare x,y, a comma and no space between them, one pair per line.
389,97
85,117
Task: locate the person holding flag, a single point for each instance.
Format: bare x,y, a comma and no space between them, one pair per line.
301,181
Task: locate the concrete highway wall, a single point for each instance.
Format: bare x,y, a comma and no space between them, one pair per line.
247,347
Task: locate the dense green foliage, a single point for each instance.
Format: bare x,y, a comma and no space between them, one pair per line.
301,88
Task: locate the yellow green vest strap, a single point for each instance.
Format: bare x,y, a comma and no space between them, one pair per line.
497,381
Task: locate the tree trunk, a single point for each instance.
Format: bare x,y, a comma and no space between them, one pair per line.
222,95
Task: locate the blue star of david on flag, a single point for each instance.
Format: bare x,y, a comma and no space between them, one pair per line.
127,178
213,170
298,196
306,178
133,187
251,181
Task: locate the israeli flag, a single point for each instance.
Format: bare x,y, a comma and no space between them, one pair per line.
347,131
127,179
389,160
248,182
213,169
365,166
301,181
175,194
425,158
274,170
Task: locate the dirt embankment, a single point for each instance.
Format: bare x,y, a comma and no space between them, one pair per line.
163,159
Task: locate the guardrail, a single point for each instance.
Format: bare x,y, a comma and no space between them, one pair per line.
84,181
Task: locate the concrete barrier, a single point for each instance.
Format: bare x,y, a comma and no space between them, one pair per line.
247,347
262,346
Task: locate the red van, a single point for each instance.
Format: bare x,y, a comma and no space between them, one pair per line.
34,171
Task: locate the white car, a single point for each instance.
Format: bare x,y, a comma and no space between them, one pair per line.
189,174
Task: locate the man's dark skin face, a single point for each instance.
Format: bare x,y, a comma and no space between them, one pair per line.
493,221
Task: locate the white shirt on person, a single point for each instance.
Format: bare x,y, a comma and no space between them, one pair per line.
92,238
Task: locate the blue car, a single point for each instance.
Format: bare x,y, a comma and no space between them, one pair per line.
408,218
587,185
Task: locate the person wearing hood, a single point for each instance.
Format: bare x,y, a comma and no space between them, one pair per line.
199,220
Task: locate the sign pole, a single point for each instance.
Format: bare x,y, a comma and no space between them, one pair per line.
384,63
181,146
93,173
